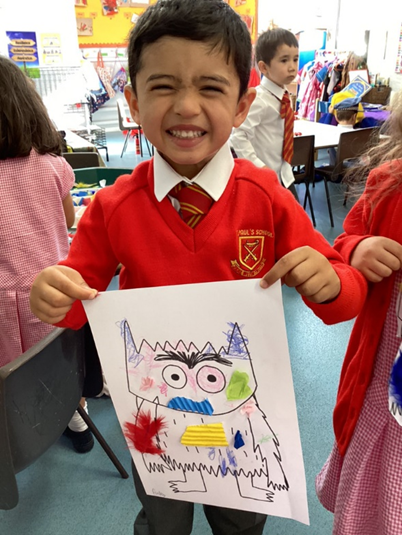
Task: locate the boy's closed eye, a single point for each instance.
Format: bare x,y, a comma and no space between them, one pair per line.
162,87
213,89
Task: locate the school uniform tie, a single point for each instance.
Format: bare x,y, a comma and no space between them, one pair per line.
288,115
194,202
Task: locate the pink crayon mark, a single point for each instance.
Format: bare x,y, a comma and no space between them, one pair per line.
147,383
248,408
163,388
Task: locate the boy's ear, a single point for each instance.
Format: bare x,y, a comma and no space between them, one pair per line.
263,67
132,102
244,105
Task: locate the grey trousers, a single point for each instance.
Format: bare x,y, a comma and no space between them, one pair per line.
162,516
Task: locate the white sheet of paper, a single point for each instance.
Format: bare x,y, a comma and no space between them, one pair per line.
202,354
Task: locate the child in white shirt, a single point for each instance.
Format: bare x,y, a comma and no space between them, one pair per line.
260,138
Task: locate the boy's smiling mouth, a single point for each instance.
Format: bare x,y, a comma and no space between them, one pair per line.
186,134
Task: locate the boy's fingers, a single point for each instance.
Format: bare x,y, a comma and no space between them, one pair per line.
283,266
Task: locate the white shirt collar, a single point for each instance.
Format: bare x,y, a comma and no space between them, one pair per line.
272,87
213,178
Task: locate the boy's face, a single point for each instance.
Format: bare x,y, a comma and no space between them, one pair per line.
283,66
187,101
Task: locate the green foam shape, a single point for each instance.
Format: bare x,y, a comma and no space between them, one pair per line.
238,387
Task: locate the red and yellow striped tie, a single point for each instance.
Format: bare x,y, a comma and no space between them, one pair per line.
288,115
194,202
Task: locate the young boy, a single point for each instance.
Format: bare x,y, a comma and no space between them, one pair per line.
345,112
263,138
189,65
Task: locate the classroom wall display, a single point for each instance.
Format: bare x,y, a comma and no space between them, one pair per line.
140,3
84,26
23,48
51,48
112,20
109,7
398,68
205,399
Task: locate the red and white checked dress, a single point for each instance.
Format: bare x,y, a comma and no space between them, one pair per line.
364,489
33,235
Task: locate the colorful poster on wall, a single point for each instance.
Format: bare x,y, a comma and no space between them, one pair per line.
84,26
109,7
398,68
23,49
51,49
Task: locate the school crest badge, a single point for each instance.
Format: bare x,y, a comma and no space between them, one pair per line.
250,260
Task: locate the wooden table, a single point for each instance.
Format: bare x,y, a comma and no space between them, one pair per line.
326,135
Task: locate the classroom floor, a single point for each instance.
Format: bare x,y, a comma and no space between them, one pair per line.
65,493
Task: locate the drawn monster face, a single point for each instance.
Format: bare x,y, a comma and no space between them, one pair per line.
190,379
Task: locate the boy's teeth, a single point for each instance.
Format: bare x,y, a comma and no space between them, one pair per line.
186,134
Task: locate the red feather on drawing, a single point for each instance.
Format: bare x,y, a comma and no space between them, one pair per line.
142,433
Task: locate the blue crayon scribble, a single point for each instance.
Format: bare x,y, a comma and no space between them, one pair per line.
211,454
231,457
132,355
222,463
237,342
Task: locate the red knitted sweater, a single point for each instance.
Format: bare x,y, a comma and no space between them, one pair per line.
254,223
364,221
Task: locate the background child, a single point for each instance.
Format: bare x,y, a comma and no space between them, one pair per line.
36,210
189,64
262,136
361,480
345,112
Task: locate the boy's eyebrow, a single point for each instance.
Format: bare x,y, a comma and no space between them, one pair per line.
215,78
212,78
286,56
153,77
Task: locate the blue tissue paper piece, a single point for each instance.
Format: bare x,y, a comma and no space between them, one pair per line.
238,440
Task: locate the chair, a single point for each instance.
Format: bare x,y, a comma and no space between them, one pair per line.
80,160
303,167
39,392
321,106
351,145
128,126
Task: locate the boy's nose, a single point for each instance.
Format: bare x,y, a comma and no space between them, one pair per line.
187,104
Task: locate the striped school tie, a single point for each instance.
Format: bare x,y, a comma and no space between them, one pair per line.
194,202
288,115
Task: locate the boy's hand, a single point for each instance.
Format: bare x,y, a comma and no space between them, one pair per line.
54,291
309,272
377,257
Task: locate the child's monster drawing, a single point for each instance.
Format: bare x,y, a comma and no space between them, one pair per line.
198,416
